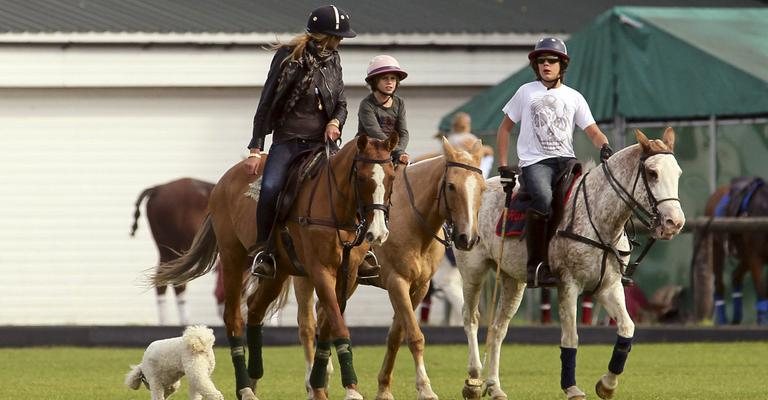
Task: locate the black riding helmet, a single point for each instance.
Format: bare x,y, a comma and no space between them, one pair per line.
551,45
330,20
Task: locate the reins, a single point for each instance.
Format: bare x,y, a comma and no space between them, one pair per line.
448,226
650,219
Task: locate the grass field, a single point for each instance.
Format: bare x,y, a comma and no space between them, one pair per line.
653,371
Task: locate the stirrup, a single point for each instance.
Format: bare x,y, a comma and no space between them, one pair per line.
373,268
550,283
627,281
259,260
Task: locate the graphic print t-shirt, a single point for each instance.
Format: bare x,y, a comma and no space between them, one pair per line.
548,118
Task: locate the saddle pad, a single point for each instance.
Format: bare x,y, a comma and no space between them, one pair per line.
518,204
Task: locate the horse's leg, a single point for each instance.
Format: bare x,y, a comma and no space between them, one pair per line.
232,262
413,334
718,264
568,297
612,298
754,263
737,285
473,275
394,338
305,317
586,310
545,306
181,303
161,299
332,332
511,296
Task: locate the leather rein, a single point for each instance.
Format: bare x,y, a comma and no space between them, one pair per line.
650,218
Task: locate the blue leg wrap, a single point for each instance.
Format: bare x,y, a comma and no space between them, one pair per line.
620,352
237,350
567,367
318,378
736,296
762,312
344,352
720,317
255,361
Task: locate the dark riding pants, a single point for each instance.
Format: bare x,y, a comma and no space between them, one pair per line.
539,178
273,180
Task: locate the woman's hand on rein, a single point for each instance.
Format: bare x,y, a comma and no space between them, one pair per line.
252,163
332,132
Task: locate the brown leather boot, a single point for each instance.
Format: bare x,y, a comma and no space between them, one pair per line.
370,267
539,274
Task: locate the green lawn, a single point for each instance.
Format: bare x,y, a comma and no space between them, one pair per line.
653,371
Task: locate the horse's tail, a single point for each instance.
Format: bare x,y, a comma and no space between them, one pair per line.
252,283
137,212
197,261
134,377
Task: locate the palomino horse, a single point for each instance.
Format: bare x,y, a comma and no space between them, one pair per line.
175,211
346,199
588,252
426,195
750,249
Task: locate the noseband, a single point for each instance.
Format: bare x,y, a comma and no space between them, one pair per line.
448,225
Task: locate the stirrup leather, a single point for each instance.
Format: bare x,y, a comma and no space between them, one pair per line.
258,259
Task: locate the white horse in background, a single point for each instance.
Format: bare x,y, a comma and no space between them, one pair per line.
589,253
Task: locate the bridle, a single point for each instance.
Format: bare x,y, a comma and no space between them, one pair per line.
449,224
650,217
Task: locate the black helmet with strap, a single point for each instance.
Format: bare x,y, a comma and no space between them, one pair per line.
549,45
330,20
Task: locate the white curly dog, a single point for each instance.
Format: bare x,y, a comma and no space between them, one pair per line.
166,361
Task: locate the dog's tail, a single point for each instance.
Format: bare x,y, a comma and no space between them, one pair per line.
199,338
134,377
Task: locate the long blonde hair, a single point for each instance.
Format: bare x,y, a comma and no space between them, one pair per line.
299,44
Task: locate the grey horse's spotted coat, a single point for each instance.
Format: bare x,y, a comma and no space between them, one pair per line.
577,264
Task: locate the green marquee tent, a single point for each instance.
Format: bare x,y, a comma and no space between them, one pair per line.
703,71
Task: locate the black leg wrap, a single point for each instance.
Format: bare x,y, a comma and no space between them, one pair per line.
344,352
568,367
255,361
620,352
318,378
237,350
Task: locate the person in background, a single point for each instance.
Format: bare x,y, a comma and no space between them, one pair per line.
461,136
547,111
303,106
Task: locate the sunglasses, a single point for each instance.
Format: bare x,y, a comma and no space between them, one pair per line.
551,60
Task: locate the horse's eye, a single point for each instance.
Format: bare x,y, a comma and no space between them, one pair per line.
653,175
451,187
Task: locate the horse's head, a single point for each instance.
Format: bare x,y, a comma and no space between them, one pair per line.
374,174
661,173
462,189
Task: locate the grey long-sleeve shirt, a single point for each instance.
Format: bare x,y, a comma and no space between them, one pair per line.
380,122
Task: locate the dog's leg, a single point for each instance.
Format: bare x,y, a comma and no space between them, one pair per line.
157,389
200,384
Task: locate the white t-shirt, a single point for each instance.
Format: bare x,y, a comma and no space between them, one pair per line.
548,118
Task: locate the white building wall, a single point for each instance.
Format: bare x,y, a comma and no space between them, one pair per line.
84,131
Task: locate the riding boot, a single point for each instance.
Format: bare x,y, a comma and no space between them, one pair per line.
263,264
370,267
539,274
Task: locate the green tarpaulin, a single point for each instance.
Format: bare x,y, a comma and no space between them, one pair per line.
647,63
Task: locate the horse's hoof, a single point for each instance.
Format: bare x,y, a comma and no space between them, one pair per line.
603,391
473,389
426,393
385,396
494,391
574,393
246,394
352,394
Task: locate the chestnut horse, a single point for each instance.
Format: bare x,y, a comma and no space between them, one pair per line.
426,195
750,250
175,211
347,199
589,253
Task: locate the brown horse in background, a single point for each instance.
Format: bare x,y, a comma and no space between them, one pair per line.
750,250
345,201
426,195
175,212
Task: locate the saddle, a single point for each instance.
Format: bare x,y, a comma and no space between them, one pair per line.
736,202
521,200
304,166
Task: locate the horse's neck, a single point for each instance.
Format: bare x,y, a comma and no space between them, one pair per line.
426,179
608,211
342,188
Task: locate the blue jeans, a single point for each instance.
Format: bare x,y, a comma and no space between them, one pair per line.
539,179
276,170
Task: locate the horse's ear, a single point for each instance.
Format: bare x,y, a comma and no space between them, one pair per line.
362,141
643,141
394,138
669,138
448,149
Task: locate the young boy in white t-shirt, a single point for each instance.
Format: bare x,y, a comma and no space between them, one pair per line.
547,111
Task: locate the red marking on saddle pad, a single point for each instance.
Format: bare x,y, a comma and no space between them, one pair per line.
515,222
